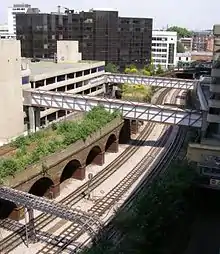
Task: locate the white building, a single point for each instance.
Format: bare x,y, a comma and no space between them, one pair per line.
4,33
67,73
164,46
184,57
15,9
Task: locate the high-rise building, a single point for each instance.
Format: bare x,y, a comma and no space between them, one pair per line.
16,9
164,44
102,35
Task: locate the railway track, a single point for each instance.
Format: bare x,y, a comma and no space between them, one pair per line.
73,232
15,239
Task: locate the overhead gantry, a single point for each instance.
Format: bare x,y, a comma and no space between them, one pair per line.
184,84
86,220
129,110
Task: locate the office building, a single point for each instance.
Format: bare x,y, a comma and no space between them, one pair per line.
16,9
164,44
67,73
102,35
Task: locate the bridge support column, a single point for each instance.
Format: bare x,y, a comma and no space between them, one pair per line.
134,126
31,117
125,134
113,148
34,118
31,226
99,159
80,173
17,214
55,191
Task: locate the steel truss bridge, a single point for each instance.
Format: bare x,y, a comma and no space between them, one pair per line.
184,84
86,220
129,110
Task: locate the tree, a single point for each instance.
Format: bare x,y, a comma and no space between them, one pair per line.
110,67
181,31
180,47
159,69
131,69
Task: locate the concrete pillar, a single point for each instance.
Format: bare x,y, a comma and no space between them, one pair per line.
31,116
113,148
17,214
55,190
80,173
37,118
45,82
32,234
99,159
104,88
134,126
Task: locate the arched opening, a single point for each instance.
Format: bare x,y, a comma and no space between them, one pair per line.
111,144
95,156
42,187
125,133
6,208
70,169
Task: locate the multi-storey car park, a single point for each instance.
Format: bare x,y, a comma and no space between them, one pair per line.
67,75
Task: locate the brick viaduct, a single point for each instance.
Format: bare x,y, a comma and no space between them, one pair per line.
45,177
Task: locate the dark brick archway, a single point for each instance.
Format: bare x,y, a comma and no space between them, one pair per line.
95,156
6,208
73,169
112,144
42,187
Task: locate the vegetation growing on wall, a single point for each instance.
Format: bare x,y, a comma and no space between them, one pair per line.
151,225
139,93
30,149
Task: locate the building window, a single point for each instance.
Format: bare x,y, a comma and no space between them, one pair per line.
25,80
186,58
179,58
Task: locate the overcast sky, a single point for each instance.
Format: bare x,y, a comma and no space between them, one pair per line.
193,14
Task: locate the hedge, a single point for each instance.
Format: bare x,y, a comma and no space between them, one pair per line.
30,149
146,228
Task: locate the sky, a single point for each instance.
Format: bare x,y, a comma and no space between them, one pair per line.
192,14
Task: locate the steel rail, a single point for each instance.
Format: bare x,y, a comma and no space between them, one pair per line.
14,240
73,232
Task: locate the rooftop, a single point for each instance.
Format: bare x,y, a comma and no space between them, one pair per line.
46,69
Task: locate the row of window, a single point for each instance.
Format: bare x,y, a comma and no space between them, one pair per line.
159,44
61,78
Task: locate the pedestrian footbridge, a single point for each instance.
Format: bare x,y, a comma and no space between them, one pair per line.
185,84
129,110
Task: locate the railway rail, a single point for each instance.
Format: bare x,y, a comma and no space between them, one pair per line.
15,239
73,232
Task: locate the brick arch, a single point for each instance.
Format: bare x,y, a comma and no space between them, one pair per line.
71,170
111,144
42,187
6,208
95,156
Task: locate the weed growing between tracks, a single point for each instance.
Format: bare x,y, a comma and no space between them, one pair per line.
32,148
157,221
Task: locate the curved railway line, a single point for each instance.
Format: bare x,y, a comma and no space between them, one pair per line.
15,239
69,235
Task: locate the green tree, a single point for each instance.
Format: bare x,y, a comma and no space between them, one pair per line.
131,69
110,67
159,69
180,47
181,31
